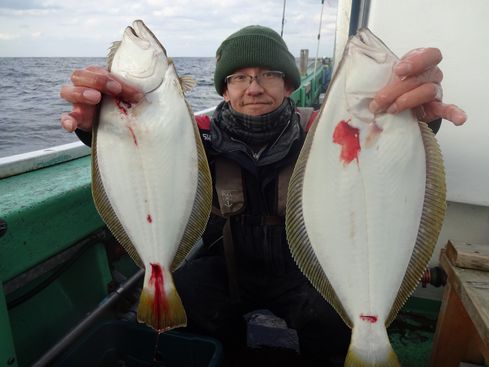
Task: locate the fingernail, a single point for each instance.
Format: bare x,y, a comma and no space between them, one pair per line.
403,68
392,109
67,124
460,117
374,107
92,95
113,87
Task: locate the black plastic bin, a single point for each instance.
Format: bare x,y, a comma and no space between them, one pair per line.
125,344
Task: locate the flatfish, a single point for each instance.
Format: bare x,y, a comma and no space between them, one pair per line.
366,202
150,178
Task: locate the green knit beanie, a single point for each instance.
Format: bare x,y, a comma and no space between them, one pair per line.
254,46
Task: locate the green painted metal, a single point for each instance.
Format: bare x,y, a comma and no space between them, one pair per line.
412,331
311,87
38,204
125,266
50,314
47,211
7,350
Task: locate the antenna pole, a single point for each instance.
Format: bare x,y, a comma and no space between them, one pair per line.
283,20
319,36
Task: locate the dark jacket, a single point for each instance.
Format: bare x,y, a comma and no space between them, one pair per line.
261,250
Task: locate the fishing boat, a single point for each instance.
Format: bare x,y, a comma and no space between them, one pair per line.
68,288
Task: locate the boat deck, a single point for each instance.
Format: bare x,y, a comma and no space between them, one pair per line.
412,332
411,335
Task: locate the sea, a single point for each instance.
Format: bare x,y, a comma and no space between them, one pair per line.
30,105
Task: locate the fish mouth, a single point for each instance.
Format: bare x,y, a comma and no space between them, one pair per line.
138,37
149,70
143,35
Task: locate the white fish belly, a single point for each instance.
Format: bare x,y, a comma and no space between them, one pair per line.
147,159
362,217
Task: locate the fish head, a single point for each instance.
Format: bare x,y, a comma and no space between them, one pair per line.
362,83
139,58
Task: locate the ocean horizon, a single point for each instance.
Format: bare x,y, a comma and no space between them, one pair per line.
31,105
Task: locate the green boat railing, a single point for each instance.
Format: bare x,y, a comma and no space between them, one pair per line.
313,84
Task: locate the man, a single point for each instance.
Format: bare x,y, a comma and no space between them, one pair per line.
256,134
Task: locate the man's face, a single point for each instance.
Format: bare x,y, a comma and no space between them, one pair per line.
256,100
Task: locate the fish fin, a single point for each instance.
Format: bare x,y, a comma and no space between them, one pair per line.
299,243
188,83
162,311
370,347
202,205
354,359
103,206
432,217
112,50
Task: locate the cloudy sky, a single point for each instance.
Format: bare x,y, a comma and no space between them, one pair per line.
185,27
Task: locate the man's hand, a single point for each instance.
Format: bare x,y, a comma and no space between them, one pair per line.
86,93
416,85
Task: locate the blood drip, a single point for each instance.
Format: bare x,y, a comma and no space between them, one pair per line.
134,139
160,304
123,106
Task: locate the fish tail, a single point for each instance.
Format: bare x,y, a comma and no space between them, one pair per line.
160,305
371,351
354,358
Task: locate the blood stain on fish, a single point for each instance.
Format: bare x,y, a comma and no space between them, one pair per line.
160,305
373,134
123,106
369,318
149,218
348,137
134,139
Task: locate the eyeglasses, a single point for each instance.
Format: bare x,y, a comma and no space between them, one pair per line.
265,79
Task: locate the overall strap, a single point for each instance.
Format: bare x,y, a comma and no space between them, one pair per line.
228,245
231,199
229,188
282,188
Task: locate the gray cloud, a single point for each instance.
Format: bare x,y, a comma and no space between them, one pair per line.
185,27
25,5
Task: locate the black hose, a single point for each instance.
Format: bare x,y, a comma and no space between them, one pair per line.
434,276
